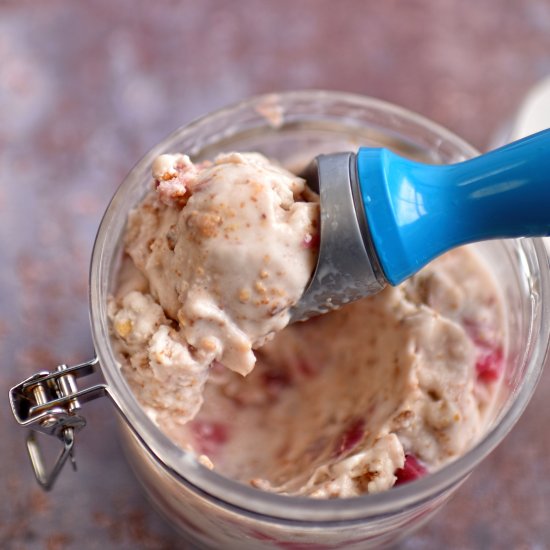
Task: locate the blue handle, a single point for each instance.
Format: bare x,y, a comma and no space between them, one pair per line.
418,211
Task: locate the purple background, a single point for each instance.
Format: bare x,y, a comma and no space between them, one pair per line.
86,88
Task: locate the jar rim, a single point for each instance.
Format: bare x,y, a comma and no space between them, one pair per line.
250,500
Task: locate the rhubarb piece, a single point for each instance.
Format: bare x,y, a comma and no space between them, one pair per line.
412,470
350,437
489,364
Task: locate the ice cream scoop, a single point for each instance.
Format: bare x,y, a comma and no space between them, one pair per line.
384,217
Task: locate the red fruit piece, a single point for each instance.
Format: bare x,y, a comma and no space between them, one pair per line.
489,364
311,240
210,436
350,437
490,357
411,470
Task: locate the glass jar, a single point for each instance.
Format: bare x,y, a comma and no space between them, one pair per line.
216,512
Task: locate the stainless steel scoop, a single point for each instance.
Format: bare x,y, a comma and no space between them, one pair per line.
347,266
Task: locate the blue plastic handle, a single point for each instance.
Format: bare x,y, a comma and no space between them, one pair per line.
417,211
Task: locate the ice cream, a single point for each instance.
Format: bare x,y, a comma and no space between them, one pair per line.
223,250
380,392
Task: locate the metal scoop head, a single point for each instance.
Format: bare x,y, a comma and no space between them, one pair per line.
347,266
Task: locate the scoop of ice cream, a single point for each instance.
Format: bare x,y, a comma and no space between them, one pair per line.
225,250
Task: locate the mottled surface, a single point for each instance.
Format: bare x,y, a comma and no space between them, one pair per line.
87,87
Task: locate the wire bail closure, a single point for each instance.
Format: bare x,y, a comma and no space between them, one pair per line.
50,402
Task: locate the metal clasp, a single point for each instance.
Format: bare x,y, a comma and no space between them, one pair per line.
50,402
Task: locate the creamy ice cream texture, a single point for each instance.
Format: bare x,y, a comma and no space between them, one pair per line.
223,251
379,392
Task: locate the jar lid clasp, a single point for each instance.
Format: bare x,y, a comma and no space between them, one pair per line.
50,402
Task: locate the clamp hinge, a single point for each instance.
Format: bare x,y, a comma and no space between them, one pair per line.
50,402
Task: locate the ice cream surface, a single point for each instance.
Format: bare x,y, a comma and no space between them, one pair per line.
382,390
354,401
